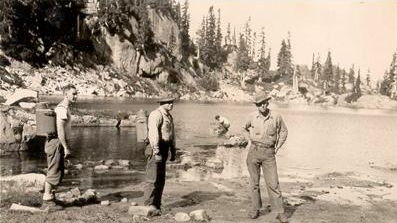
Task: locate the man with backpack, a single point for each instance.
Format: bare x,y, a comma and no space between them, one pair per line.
161,136
57,147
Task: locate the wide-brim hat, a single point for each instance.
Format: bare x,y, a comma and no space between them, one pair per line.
260,98
166,98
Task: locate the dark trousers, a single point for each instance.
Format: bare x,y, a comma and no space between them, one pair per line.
261,157
155,177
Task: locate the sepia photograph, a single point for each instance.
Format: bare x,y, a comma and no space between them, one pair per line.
223,111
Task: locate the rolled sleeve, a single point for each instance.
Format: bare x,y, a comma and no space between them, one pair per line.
282,132
154,123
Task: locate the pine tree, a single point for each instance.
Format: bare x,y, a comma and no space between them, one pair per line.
247,35
389,79
343,81
357,88
243,60
201,35
368,79
172,41
337,80
228,37
284,63
219,31
234,39
313,69
351,75
327,72
209,51
184,33
263,61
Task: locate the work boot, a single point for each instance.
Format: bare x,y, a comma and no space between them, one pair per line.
51,206
154,211
254,214
282,218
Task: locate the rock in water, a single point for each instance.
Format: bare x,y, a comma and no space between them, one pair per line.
234,161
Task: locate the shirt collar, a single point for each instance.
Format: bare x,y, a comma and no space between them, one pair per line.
259,115
64,103
163,111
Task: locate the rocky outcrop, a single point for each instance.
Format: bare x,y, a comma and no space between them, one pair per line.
31,182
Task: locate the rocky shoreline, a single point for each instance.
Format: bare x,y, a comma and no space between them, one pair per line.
217,187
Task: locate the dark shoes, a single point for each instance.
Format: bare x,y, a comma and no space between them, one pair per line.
254,214
154,211
282,218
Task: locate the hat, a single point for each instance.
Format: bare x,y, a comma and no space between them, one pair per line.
166,98
260,98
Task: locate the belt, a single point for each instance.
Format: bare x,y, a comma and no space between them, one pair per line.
261,144
52,135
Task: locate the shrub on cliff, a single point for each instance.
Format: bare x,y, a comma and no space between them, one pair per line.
30,28
209,83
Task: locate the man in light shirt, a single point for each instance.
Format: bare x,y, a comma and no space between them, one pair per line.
267,133
161,134
57,147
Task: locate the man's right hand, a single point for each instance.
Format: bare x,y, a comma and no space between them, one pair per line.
67,153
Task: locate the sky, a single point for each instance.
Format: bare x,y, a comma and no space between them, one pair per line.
359,32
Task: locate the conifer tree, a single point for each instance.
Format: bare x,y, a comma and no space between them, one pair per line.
390,77
263,61
172,42
357,88
243,60
284,63
201,35
234,39
228,37
184,33
327,72
219,31
209,51
343,81
351,75
368,79
337,79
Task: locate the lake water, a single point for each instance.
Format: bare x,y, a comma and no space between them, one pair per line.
320,139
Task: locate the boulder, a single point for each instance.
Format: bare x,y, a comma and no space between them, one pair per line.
21,95
7,135
124,163
181,217
27,105
101,167
31,182
233,160
18,207
105,203
199,215
110,162
214,163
